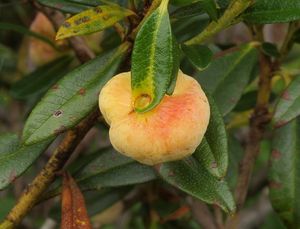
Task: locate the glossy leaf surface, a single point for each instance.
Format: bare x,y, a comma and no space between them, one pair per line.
191,177
213,150
226,77
273,11
72,98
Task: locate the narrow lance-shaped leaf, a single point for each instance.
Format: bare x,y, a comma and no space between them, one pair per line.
153,60
65,6
191,177
288,106
15,159
213,150
196,7
26,31
107,168
273,11
110,169
284,173
92,20
72,98
210,8
74,212
226,77
41,79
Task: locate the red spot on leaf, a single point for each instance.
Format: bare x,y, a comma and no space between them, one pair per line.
275,154
12,176
81,91
275,185
171,173
60,130
280,123
55,87
285,95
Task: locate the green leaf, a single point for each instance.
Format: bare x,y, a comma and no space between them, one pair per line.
153,60
72,98
284,173
8,60
270,49
226,77
176,65
247,101
191,10
65,6
210,7
195,7
186,28
223,3
15,159
191,177
213,150
101,200
235,155
288,106
39,81
112,169
92,20
273,11
199,55
25,31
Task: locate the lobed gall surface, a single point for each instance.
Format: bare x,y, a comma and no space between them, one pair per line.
171,131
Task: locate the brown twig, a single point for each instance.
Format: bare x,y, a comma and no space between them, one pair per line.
49,172
258,121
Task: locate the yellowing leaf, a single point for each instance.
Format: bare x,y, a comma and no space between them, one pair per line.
74,213
92,20
154,60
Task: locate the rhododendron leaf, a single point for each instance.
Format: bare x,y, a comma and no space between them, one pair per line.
92,20
213,150
153,59
288,106
40,80
106,168
110,169
273,11
65,6
284,174
226,77
199,55
72,97
16,158
192,177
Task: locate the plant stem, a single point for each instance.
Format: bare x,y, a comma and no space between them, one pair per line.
288,41
235,8
47,175
259,119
